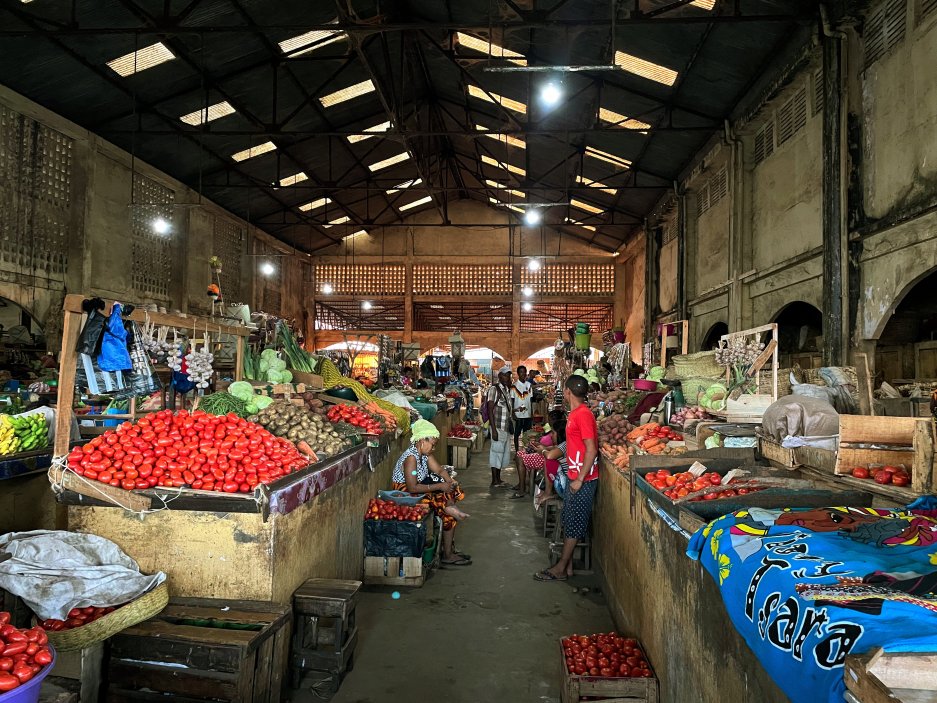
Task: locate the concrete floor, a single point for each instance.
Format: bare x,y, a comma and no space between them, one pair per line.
485,632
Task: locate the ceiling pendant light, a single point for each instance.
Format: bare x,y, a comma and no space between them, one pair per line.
533,265
532,218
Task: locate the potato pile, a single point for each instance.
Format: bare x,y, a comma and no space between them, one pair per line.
313,403
612,430
311,433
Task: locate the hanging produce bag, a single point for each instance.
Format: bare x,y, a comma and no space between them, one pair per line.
114,355
89,338
143,379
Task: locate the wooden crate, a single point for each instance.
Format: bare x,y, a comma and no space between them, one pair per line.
191,652
774,452
394,571
312,381
912,440
610,690
896,677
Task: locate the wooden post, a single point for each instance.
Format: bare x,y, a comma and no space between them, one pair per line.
68,365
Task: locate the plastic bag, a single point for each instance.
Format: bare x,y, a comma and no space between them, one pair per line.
392,538
90,337
114,355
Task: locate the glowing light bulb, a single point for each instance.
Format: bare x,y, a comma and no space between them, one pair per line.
532,217
527,291
327,288
267,269
366,305
160,225
551,94
533,265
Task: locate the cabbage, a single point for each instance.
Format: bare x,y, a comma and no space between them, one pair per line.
262,401
277,365
241,390
712,442
656,373
286,376
273,376
269,354
264,367
251,408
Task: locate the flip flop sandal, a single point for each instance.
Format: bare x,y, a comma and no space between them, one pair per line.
545,575
462,554
458,562
516,496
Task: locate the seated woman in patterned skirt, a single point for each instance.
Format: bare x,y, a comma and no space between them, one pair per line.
418,472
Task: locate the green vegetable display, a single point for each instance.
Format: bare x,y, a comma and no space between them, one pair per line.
715,397
222,404
297,358
242,390
656,373
21,434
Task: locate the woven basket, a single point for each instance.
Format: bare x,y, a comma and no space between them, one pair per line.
699,365
136,611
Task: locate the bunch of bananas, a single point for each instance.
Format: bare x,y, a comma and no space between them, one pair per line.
22,434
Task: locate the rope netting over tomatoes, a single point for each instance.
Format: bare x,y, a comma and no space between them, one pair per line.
332,377
187,450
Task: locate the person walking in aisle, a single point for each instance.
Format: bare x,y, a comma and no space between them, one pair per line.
521,401
583,472
501,419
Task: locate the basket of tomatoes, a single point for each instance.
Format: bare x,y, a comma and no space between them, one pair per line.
26,658
606,665
85,626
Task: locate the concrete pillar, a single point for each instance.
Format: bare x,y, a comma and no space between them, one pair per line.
832,211
516,301
408,290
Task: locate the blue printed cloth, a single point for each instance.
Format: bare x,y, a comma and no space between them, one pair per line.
806,587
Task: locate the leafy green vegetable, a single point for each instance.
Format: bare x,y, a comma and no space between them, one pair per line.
242,390
268,354
262,401
222,404
297,358
251,408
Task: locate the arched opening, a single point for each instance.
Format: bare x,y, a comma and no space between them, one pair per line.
711,340
800,335
21,338
907,347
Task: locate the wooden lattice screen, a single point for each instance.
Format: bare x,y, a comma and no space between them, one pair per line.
350,315
451,279
362,279
571,279
152,250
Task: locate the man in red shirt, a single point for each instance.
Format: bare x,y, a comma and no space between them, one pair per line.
582,453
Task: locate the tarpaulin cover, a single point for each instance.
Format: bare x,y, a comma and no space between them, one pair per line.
394,538
807,587
55,571
799,416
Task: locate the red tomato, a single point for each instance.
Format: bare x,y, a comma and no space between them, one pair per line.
900,479
883,477
860,472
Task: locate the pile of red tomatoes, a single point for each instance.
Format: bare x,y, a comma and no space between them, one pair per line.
460,431
885,475
76,618
680,485
607,655
389,510
354,416
195,450
23,653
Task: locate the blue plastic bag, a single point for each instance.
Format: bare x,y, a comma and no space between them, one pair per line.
114,355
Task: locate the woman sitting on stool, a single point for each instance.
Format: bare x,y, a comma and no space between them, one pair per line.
417,472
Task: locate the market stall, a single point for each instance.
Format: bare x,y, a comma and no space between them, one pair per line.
220,496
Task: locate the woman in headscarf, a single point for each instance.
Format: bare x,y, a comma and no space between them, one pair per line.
417,472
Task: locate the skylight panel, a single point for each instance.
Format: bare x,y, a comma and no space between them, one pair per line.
507,167
416,203
402,186
704,4
596,184
315,204
339,221
645,69
490,97
504,188
585,206
254,151
503,138
140,60
616,161
358,233
580,224
352,91
484,46
294,179
208,114
389,161
619,120
382,127
515,208
310,41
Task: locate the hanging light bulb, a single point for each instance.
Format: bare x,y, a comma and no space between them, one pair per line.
161,225
532,217
527,307
366,305
267,269
527,291
551,94
327,289
533,265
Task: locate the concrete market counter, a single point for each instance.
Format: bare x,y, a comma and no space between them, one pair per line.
316,531
670,603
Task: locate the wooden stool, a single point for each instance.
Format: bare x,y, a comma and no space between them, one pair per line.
324,629
582,555
551,515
